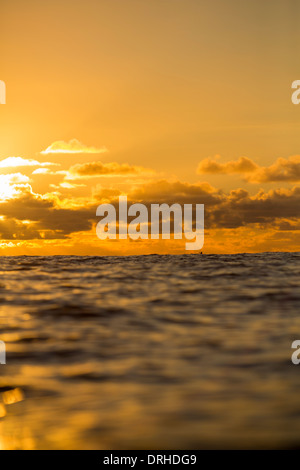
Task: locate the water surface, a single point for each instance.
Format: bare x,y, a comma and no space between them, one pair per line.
150,352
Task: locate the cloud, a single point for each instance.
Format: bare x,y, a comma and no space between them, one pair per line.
26,215
93,169
44,217
164,191
11,229
239,209
72,147
67,185
229,211
12,162
283,170
288,226
47,171
242,165
12,184
106,195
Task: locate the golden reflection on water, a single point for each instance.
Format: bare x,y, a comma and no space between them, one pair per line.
17,440
12,396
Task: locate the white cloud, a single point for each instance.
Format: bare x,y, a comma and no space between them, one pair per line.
11,184
13,162
71,147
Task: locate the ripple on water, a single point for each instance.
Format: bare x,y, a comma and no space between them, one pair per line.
150,351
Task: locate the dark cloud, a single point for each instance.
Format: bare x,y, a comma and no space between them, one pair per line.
241,209
105,169
48,219
242,165
45,218
283,170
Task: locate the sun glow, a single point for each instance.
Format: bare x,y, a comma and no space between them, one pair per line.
10,185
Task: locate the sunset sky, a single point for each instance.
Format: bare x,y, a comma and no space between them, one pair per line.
178,101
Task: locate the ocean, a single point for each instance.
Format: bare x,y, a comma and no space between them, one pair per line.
150,352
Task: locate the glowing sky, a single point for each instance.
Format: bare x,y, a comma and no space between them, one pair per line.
163,100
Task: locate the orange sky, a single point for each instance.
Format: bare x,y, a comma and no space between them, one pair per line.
162,100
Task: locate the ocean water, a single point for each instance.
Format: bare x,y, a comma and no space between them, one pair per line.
150,352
